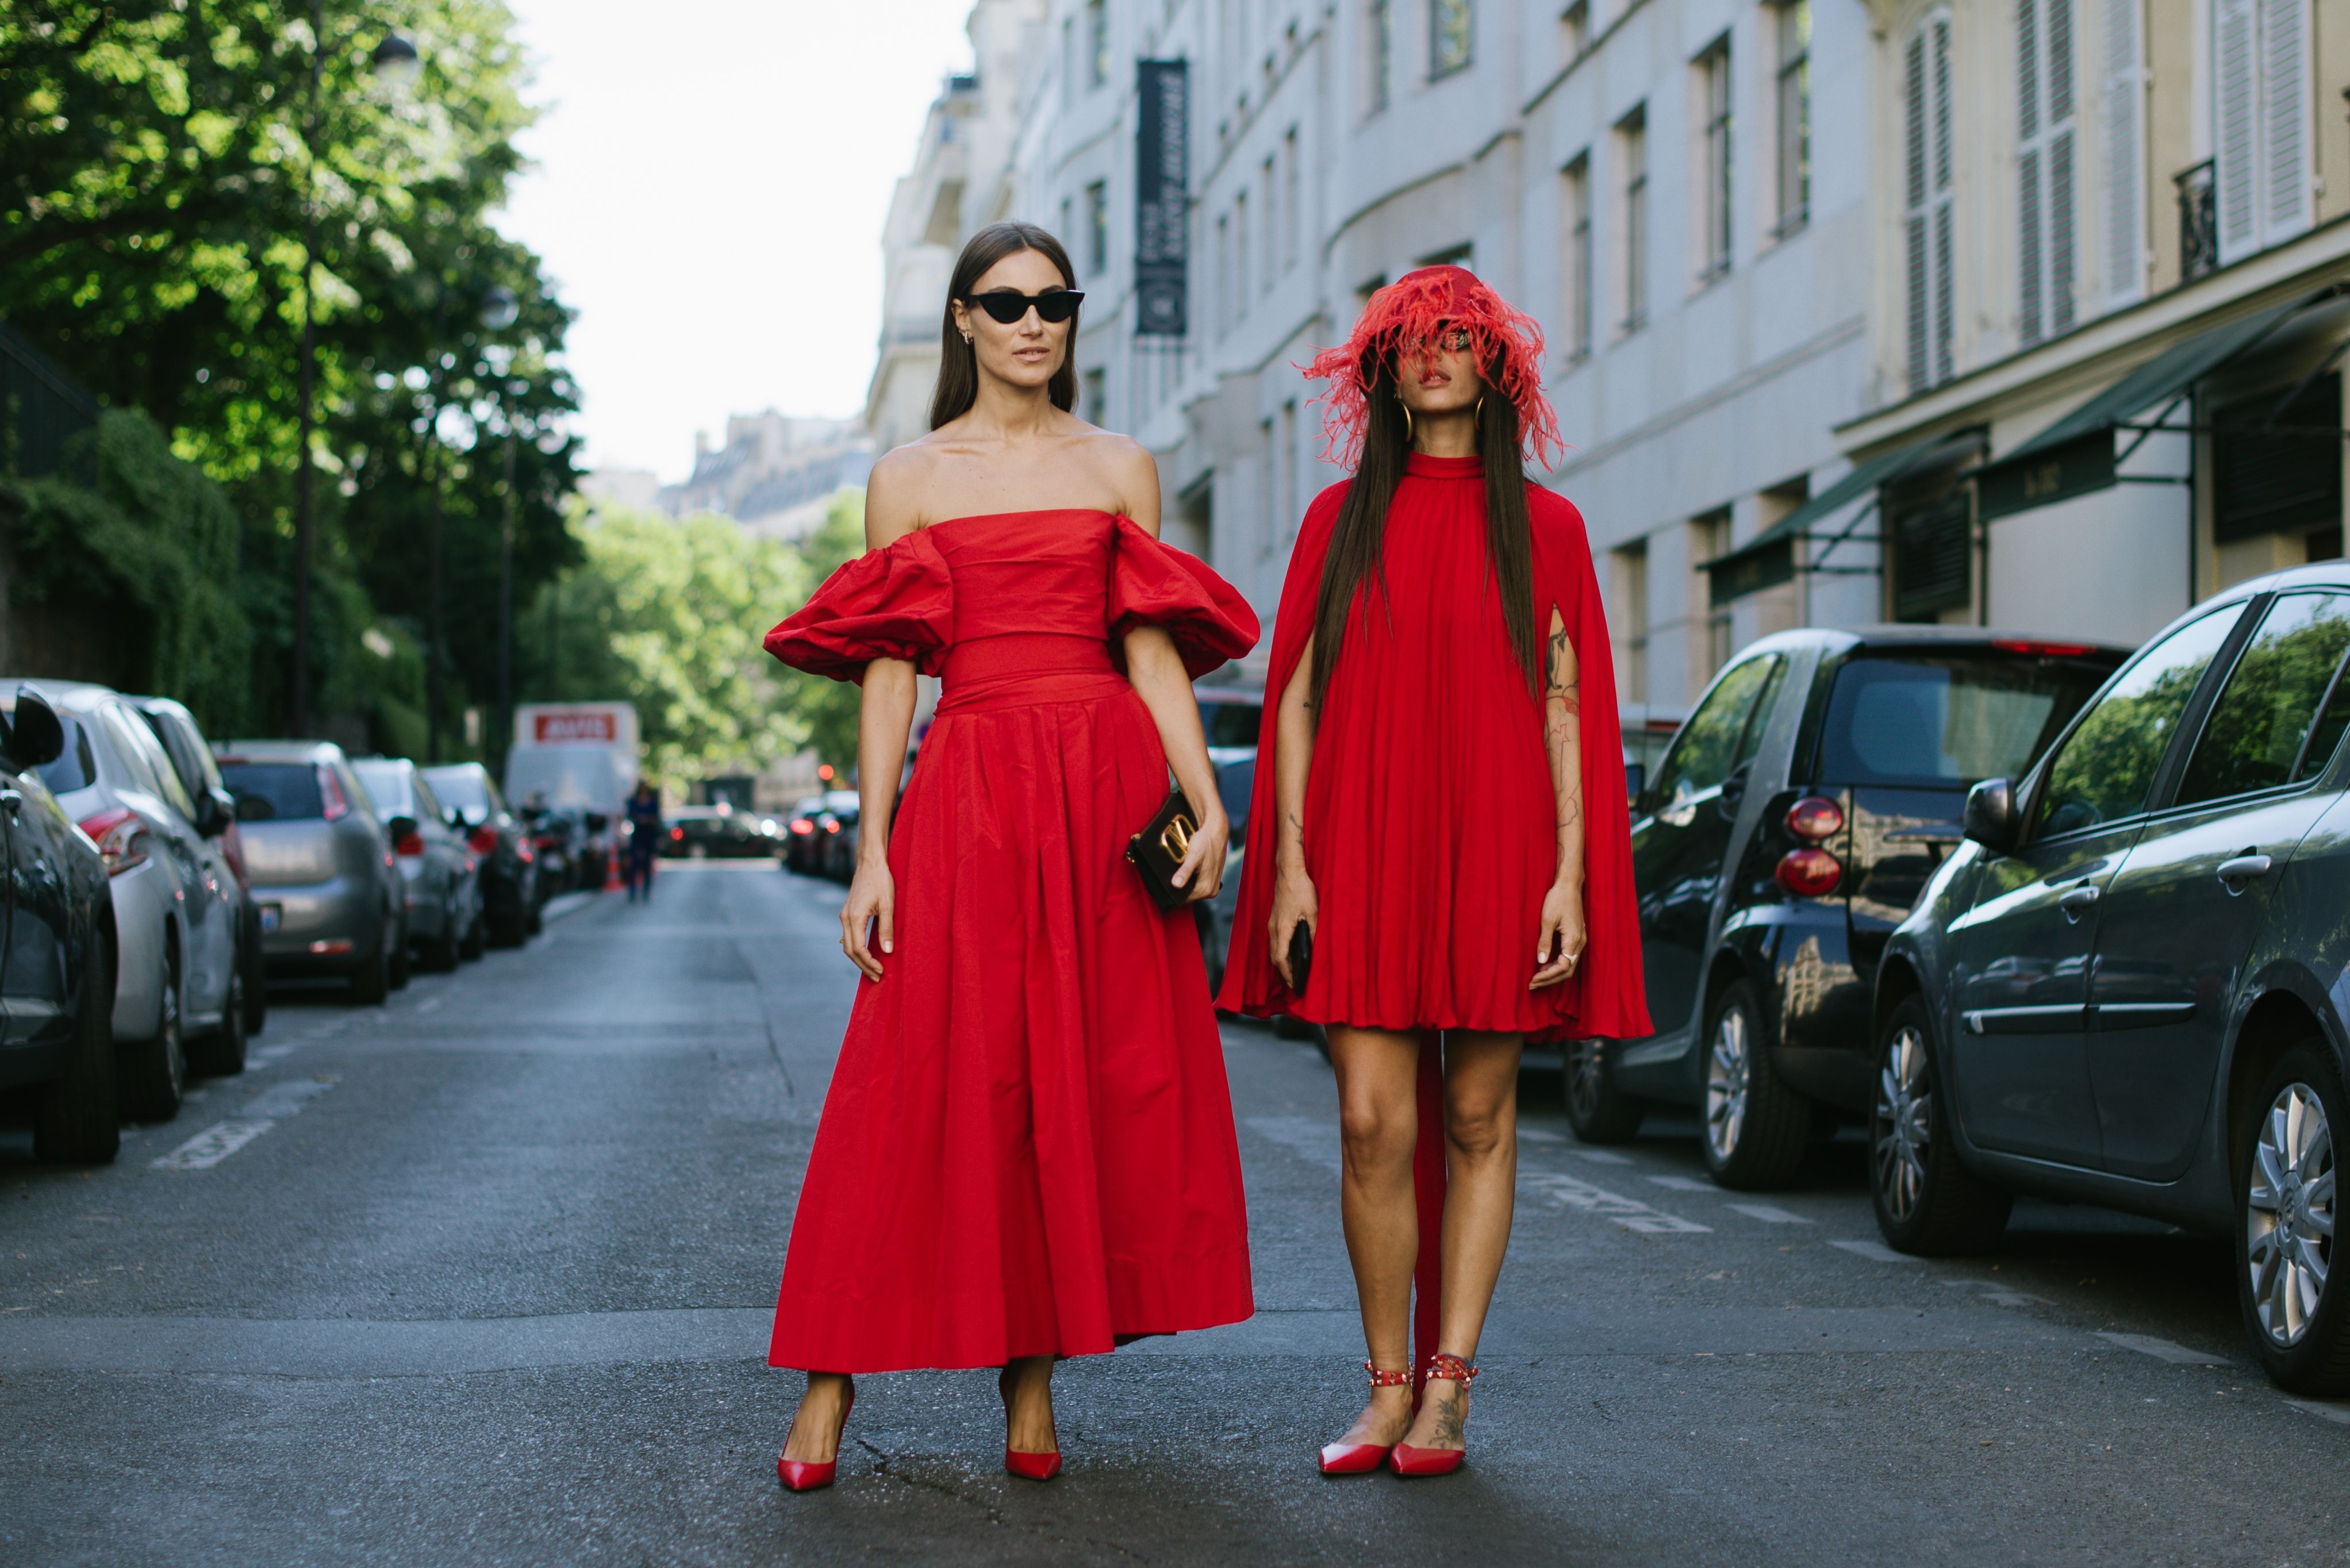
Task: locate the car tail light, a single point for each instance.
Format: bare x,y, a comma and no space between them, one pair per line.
2042,649
483,840
802,825
330,791
409,843
1816,817
331,947
523,852
677,833
832,826
1809,873
120,837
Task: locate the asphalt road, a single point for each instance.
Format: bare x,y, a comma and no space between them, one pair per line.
483,1276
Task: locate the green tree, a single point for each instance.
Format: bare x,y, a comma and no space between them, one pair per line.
829,708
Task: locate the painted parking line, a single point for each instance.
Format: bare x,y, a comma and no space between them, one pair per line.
1572,1192
1536,1134
1684,1183
1600,1157
223,1138
1874,1251
1770,1214
2163,1350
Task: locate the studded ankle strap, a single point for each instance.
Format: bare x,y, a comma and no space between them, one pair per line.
1452,1369
1382,1378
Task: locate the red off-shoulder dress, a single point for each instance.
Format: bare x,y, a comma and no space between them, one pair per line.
1028,1147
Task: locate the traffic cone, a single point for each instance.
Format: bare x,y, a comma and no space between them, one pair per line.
612,883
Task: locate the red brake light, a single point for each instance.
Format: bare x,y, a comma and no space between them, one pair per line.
483,840
802,825
2042,649
330,791
1814,817
121,839
523,852
1809,873
677,833
409,843
832,824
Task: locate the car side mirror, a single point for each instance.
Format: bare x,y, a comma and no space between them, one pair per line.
35,738
400,827
215,809
255,808
1989,818
1636,784
1733,790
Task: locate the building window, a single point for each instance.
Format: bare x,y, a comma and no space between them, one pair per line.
2124,128
1068,61
2044,166
1224,311
1574,260
1926,171
1793,107
1097,42
1628,568
1575,31
1271,472
1632,157
1289,216
1378,53
2261,121
1291,511
1273,219
1713,76
1097,227
1451,28
1097,398
1240,256
1709,622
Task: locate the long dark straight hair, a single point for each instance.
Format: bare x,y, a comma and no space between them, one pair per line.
1359,537
958,386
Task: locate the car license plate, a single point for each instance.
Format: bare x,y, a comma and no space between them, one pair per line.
272,915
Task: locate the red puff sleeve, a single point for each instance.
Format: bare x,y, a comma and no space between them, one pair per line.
1153,584
897,602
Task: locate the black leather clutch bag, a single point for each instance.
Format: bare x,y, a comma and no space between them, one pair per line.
1301,957
1159,849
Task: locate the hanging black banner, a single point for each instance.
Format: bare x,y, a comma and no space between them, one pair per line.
1161,202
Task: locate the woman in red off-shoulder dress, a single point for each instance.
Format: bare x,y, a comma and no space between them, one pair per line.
1027,1151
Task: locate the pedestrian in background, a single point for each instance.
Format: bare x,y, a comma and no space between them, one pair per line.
1432,917
1027,1150
644,838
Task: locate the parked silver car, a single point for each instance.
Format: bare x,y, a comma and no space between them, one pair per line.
321,864
439,870
191,758
176,900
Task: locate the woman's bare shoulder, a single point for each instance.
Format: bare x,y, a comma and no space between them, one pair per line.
896,493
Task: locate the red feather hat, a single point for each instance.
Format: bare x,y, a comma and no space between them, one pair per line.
1407,314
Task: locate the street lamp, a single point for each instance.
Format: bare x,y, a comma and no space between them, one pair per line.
396,61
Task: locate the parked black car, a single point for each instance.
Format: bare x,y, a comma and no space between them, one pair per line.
1787,831
58,1042
720,833
510,896
2127,987
802,836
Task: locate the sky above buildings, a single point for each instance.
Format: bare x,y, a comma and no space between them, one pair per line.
709,185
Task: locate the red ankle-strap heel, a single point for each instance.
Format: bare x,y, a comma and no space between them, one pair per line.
1408,1460
806,1475
1362,1458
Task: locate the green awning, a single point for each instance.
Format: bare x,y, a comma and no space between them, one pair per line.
1768,558
2076,455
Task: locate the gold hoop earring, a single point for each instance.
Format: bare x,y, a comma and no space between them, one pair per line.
1407,418
966,339
1477,416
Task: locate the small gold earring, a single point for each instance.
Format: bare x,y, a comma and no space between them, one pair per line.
966,339
1407,418
1477,417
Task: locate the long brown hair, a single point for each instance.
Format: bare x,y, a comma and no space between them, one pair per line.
958,386
1359,538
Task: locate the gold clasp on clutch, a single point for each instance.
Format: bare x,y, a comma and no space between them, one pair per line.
1176,838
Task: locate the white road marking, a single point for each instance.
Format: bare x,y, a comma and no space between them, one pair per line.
2163,1350
1874,1251
1770,1214
1684,1183
1601,1157
430,1002
272,1052
2337,1412
1538,1136
220,1140
1570,1192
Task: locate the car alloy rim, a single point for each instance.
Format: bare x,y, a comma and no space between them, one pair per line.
1582,1082
2289,1213
1725,1083
175,1057
1904,1119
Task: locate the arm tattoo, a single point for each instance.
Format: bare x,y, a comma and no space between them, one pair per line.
1556,664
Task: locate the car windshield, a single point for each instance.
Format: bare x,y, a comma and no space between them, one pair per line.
461,789
1944,720
290,788
387,787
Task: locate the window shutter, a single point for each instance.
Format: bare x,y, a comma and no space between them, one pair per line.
1919,308
2028,203
2046,223
2061,68
2125,132
1944,248
2284,117
2235,125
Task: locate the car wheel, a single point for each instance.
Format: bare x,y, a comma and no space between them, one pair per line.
509,930
1927,1201
74,1121
257,980
476,939
372,976
1755,1127
222,1052
535,921
153,1072
403,963
1595,1109
2285,1195
446,950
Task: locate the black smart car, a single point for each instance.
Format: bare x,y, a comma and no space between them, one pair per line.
1787,831
2131,987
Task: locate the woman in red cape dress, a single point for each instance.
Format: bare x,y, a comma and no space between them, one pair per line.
1440,795
1027,1149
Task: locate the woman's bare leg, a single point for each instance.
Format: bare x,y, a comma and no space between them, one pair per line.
1026,1385
1378,1121
814,1437
1481,1164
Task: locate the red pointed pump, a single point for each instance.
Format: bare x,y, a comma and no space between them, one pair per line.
1408,1460
1362,1458
806,1475
1027,1467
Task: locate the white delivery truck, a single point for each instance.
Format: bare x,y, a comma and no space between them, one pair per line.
582,756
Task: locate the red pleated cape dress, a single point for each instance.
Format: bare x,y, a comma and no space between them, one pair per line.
1431,819
1027,1149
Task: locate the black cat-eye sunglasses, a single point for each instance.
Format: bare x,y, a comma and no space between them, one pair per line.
1008,305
